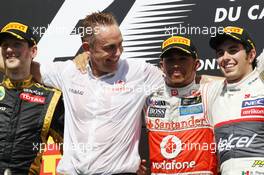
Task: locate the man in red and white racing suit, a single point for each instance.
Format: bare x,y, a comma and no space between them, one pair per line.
181,139
238,110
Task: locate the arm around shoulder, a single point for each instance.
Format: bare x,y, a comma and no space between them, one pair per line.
2,65
202,79
35,71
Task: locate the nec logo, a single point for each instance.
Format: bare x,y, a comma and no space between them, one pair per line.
256,102
156,112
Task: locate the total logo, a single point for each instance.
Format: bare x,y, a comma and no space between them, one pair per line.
32,98
235,142
170,146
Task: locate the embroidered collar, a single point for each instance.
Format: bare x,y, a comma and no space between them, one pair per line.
17,84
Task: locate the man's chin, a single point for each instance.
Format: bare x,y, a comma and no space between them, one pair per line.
11,67
112,68
231,78
177,82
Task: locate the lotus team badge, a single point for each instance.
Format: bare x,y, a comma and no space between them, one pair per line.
170,146
2,92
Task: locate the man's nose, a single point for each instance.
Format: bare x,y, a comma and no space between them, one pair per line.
119,51
226,55
9,49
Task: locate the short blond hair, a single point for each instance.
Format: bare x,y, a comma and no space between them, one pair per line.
96,19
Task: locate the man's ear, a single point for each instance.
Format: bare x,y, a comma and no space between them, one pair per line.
34,50
86,46
197,64
161,63
252,55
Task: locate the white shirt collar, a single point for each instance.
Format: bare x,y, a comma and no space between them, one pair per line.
108,75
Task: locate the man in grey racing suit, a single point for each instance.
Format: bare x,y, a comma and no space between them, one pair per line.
238,110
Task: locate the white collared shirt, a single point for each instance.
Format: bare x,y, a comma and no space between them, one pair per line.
102,115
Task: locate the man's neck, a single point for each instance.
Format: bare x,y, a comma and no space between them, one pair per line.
17,75
237,80
97,73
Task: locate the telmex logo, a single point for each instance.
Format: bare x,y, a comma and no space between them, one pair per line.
177,40
256,102
233,30
235,142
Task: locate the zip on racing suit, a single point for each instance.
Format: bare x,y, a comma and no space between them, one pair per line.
181,138
29,114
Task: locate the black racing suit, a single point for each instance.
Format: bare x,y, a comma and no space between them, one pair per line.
29,114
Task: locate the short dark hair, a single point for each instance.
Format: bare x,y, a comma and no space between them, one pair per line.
248,49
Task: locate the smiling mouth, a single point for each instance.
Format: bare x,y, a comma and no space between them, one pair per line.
10,56
114,61
176,73
229,66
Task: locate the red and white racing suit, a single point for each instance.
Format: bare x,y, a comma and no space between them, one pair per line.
181,139
238,117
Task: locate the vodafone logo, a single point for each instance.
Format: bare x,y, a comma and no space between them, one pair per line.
170,146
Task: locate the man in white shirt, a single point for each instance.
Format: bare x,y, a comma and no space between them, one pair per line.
103,106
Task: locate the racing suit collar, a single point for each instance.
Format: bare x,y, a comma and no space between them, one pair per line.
188,90
244,82
17,84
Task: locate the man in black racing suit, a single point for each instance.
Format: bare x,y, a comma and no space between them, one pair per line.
29,112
